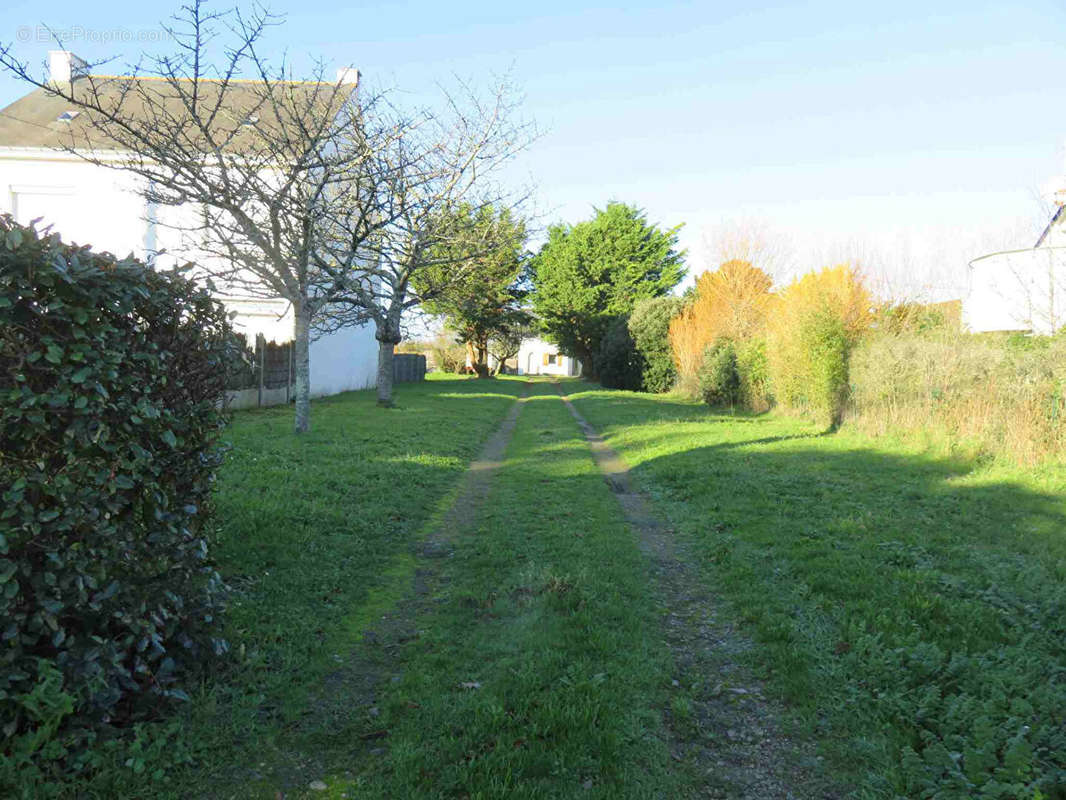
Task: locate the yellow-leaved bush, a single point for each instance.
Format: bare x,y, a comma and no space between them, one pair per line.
813,326
822,346
729,303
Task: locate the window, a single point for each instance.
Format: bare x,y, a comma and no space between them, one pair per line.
551,359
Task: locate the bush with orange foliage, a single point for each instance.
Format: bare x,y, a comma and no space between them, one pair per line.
730,303
815,322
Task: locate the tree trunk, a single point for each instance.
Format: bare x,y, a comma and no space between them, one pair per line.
481,359
385,361
388,335
302,367
588,365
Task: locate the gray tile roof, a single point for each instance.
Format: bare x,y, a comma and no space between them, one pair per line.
34,121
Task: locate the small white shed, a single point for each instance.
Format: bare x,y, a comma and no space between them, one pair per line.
538,357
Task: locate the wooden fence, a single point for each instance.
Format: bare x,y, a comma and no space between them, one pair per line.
408,367
264,374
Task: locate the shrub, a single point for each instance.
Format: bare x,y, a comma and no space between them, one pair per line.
730,302
448,355
649,325
618,360
754,375
815,323
719,380
111,391
1001,395
910,317
826,346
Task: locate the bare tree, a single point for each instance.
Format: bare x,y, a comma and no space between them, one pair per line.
447,159
255,161
752,241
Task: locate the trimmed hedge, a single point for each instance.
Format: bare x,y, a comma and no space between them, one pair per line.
111,390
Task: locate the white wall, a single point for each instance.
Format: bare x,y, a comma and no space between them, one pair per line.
272,318
1022,290
101,207
345,360
85,203
531,360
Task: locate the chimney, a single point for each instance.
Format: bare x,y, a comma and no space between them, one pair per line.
346,75
64,66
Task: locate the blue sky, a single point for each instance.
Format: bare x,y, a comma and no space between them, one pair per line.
887,128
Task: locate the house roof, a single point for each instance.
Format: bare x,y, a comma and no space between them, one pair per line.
1057,217
39,120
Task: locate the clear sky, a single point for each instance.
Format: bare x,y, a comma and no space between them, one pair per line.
918,132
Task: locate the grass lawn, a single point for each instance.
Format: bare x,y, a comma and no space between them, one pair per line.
538,672
317,535
911,607
908,607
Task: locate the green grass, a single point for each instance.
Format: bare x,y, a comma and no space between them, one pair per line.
316,538
909,605
543,604
545,608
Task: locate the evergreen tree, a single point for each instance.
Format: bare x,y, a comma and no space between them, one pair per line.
588,274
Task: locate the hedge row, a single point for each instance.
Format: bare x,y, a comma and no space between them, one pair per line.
635,352
110,414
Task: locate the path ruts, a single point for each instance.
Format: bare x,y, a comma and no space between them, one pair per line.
736,748
374,662
475,484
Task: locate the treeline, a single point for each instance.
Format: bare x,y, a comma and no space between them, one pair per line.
822,346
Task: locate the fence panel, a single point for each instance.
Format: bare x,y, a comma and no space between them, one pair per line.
263,375
408,367
260,376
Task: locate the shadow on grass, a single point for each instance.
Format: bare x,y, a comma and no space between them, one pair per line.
909,607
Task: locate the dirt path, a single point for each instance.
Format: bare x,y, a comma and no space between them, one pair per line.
731,742
372,664
475,485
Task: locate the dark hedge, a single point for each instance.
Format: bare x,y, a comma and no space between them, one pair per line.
110,415
649,326
719,377
619,362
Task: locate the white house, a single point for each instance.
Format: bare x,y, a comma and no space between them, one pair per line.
1022,290
103,207
537,357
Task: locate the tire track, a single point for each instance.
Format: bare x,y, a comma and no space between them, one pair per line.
732,744
353,689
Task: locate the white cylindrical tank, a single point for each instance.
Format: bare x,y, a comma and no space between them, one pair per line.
1017,290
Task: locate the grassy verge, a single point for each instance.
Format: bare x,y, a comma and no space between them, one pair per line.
538,669
909,606
317,538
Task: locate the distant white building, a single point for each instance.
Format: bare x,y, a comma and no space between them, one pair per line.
537,357
1021,290
103,207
